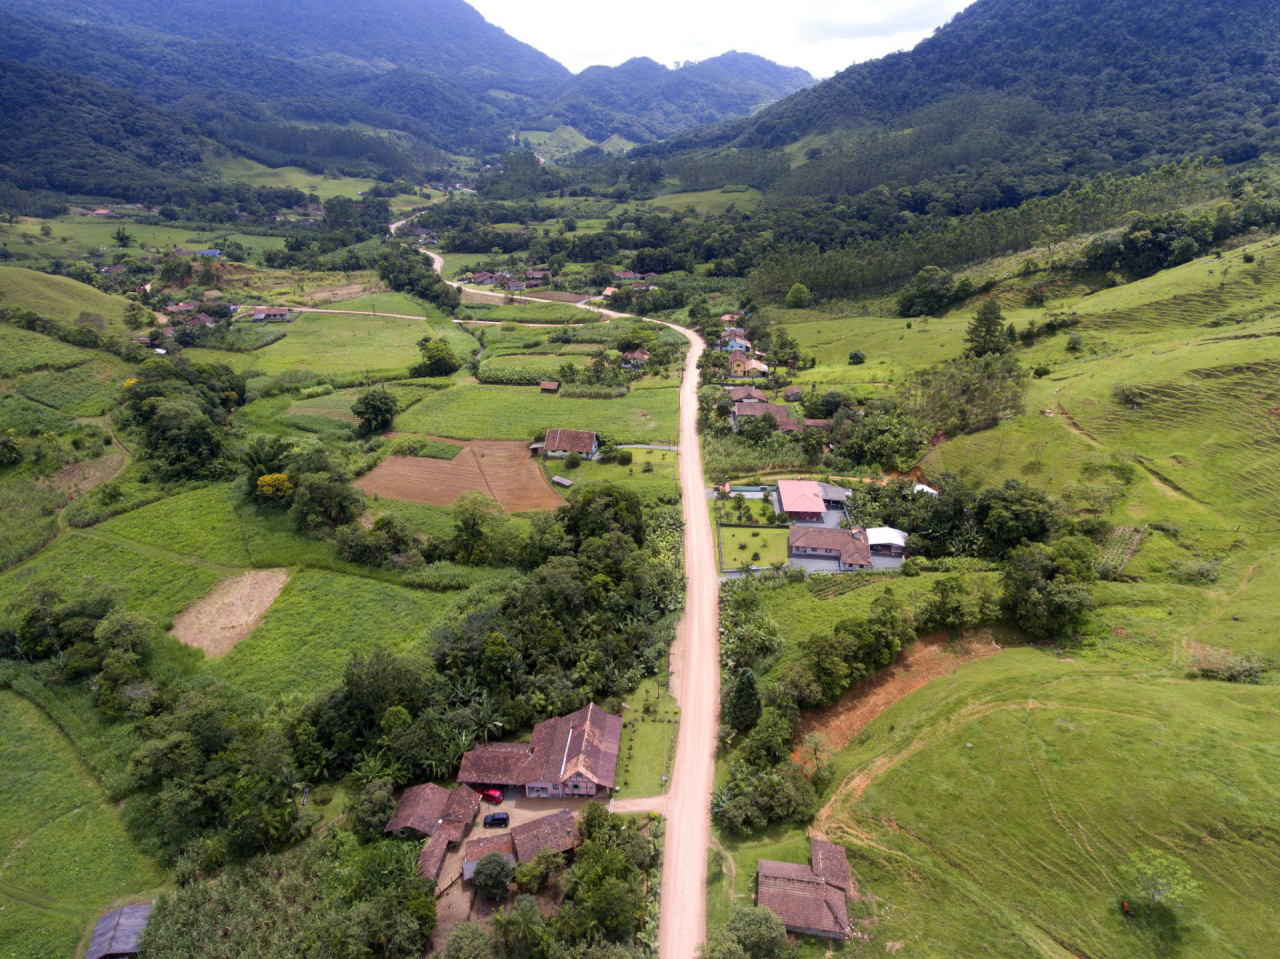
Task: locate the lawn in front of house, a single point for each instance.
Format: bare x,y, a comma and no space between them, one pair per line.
648,739
747,545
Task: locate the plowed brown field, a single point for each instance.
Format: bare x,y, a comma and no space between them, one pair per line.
500,470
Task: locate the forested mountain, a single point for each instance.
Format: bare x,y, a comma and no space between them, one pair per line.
642,100
1027,94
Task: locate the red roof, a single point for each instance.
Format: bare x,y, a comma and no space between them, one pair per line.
780,413
477,849
424,808
743,394
801,496
431,859
584,742
851,544
549,386
809,900
559,831
570,441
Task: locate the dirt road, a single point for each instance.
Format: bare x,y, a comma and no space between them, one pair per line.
695,682
695,660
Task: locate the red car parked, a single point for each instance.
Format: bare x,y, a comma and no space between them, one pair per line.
493,795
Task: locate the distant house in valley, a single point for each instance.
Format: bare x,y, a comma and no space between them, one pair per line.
648,276
624,275
635,358
563,442
743,366
537,277
733,319
271,314
780,414
810,900
793,394
118,933
816,424
113,270
424,809
734,340
609,291
549,386
574,755
513,286
103,211
844,549
801,500
747,394
482,279
202,319
212,254
176,308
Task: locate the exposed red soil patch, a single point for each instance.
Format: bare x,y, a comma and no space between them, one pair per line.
503,471
79,478
927,659
217,622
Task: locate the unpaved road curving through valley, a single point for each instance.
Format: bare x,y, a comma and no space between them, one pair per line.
695,682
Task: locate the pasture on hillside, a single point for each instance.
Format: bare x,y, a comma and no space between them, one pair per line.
471,411
237,169
993,810
93,238
59,298
326,343
67,855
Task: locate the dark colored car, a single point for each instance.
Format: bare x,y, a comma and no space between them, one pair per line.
493,795
497,820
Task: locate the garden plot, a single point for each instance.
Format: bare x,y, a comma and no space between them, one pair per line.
502,471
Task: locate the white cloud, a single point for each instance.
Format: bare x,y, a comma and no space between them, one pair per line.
823,36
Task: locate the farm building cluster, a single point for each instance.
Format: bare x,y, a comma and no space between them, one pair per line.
568,757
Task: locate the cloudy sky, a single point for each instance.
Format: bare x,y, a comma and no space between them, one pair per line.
823,36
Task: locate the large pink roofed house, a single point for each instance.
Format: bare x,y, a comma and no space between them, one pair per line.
801,499
574,755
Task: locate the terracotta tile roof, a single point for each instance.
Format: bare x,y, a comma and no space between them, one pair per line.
831,864
743,394
570,441
801,496
422,808
810,900
853,547
549,386
559,831
477,849
117,933
793,392
584,742
431,859
816,424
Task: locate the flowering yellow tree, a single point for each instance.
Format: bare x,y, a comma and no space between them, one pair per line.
275,486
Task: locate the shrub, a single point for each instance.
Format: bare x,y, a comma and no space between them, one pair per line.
1041,372
1247,667
572,461
1075,343
492,876
647,467
857,358
1194,571
624,457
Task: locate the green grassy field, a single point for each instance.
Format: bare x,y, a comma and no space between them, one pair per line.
67,857
236,169
517,413
318,622
661,483
648,740
59,298
77,237
531,313
22,351
706,201
740,546
330,344
995,809
558,143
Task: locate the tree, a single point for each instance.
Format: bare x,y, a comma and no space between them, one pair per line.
573,460
798,297
986,330
1046,588
437,360
742,710
1159,878
1052,239
468,940
376,410
122,237
10,452
857,358
376,806
721,945
758,931
492,876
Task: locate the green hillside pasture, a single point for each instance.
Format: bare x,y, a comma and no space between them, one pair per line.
67,856
994,810
76,237
1202,414
22,351
1041,451
557,143
59,298
147,581
91,389
891,349
517,413
714,202
319,621
236,169
327,343
29,508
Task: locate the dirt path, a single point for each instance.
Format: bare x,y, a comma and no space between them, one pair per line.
927,659
695,683
218,621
